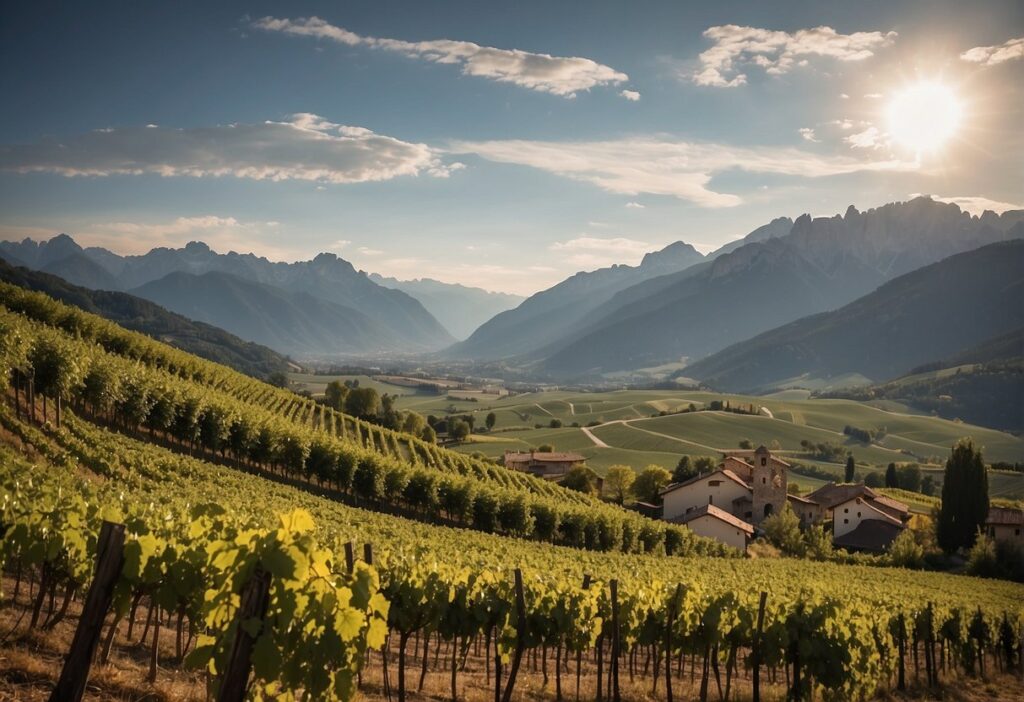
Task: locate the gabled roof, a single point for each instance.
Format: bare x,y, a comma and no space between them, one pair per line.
1005,516
870,535
716,513
892,507
729,457
738,455
832,494
725,473
877,514
802,500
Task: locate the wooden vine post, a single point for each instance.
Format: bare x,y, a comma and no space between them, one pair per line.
901,642
757,648
254,600
614,671
109,562
579,654
517,657
669,623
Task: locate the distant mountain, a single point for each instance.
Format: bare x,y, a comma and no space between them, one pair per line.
79,269
326,278
547,315
459,309
780,226
149,318
935,312
821,264
290,322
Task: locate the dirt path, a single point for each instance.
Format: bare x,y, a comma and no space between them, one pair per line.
590,435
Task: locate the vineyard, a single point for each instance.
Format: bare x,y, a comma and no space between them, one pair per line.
131,382
589,592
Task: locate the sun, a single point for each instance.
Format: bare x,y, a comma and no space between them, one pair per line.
924,116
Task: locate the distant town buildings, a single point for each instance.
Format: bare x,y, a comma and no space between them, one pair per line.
543,464
1006,525
750,486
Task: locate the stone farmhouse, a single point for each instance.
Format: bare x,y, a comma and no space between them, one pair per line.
729,504
547,465
1006,525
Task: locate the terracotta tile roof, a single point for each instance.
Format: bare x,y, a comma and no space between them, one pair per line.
725,472
895,504
832,494
878,514
738,460
1005,516
872,535
797,498
717,513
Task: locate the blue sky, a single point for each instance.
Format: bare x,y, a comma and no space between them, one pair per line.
500,145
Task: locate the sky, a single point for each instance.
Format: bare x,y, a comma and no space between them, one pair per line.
498,145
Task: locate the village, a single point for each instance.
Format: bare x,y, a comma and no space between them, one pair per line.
731,503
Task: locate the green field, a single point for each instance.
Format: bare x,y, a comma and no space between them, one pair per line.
635,435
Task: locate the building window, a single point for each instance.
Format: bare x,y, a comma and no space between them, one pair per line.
763,481
1016,532
764,461
846,521
711,499
858,514
846,510
714,483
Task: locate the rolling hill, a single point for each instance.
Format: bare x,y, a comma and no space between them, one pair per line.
935,312
149,318
293,323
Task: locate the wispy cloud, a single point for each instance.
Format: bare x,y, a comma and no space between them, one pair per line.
306,147
664,166
559,75
367,251
993,55
778,52
593,251
631,205
808,134
974,204
870,138
631,95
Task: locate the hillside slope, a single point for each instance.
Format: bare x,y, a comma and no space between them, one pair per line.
141,315
931,313
545,316
293,323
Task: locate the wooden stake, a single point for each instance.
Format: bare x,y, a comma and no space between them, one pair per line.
109,561
255,598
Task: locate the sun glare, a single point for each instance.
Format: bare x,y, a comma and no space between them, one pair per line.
924,116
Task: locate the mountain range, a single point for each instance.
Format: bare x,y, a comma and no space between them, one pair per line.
460,309
633,318
934,312
356,314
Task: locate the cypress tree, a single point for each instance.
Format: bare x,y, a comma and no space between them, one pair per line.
851,468
965,501
891,479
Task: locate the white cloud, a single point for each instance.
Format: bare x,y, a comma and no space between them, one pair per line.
592,251
339,244
874,96
976,205
306,147
367,251
844,96
808,134
634,206
778,52
842,123
663,166
558,75
870,138
993,55
630,95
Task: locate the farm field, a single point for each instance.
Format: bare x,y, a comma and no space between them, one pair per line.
634,434
315,383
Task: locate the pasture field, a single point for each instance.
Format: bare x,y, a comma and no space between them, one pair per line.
633,433
315,384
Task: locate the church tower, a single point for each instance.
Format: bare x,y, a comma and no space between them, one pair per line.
769,482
